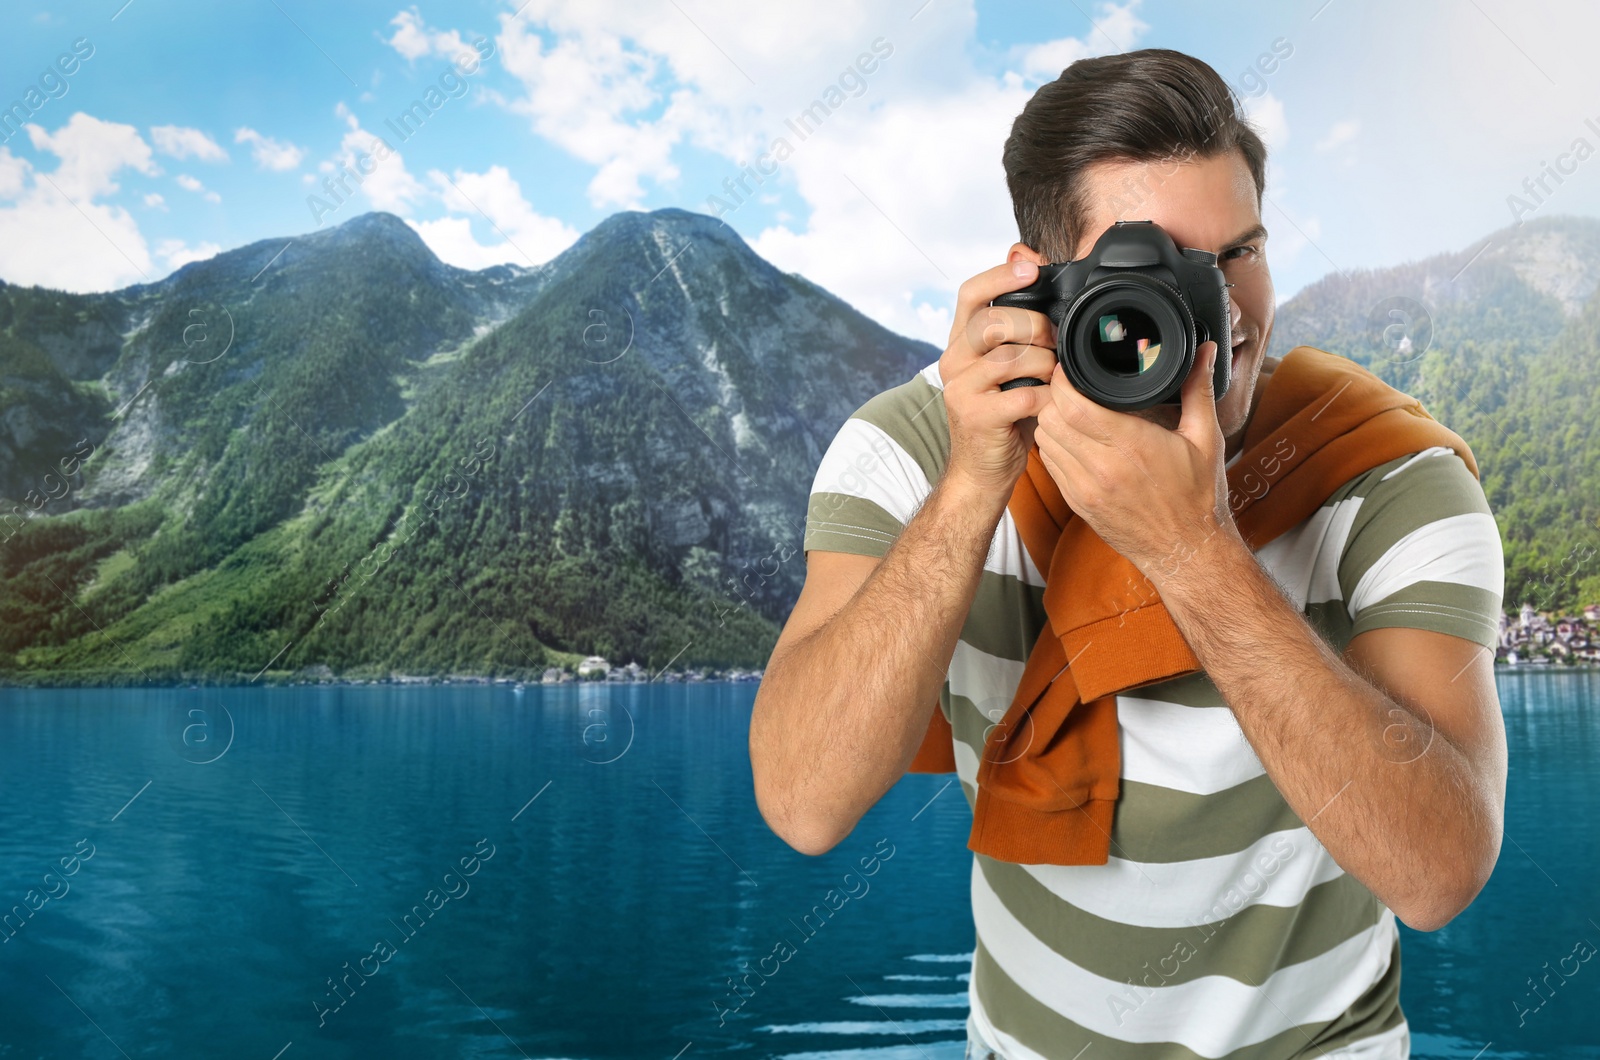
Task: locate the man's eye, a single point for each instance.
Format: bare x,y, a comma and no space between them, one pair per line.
1229,255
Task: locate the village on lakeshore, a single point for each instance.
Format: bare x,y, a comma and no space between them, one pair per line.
1533,638
1528,638
593,669
596,668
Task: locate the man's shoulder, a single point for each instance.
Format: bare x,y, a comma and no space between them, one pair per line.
1421,549
907,402
1420,506
912,416
1432,482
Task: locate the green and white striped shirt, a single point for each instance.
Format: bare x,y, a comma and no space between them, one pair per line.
1220,927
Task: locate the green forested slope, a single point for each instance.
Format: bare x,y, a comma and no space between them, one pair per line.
384,474
1506,352
350,456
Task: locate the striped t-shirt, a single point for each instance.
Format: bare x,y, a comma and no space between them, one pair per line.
1220,926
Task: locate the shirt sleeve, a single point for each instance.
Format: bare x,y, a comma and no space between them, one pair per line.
1424,552
866,490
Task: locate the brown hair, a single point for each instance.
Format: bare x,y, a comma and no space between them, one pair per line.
1151,105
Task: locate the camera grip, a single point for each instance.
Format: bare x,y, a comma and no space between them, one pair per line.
1037,296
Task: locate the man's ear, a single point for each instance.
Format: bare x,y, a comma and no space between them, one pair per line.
1023,252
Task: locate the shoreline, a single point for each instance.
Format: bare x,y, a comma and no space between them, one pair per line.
97,680
78,679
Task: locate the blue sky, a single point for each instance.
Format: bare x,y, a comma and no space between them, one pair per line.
1396,131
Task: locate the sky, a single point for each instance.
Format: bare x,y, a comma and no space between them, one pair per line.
145,134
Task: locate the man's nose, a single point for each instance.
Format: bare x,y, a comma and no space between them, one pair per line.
1235,313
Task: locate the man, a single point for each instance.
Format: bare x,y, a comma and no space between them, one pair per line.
1338,761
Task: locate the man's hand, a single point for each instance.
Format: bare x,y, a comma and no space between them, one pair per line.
1151,493
991,430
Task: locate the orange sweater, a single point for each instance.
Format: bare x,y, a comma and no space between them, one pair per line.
1049,775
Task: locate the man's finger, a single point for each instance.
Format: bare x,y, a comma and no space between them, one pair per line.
1199,420
1087,417
1011,361
994,326
978,291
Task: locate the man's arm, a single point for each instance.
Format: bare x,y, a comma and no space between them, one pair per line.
848,693
1337,737
1394,755
856,674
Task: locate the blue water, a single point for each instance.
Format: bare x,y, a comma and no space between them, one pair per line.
583,870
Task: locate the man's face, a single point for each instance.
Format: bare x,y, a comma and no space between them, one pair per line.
1209,203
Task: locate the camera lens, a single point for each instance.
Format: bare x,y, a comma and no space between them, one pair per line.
1125,342
1128,342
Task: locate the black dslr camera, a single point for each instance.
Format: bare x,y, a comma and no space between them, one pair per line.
1130,316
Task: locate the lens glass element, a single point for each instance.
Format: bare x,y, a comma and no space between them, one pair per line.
1126,342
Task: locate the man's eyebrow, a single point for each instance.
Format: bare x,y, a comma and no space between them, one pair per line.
1257,231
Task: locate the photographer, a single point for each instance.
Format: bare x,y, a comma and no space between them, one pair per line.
1215,674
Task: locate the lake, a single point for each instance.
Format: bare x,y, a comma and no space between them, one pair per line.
465,871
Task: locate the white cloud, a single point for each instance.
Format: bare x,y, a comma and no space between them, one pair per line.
56,234
521,234
13,174
181,142
188,183
925,234
583,93
91,151
1116,29
1044,62
526,237
935,321
267,152
1342,133
381,171
625,87
1291,232
857,177
1265,113
410,38
364,165
413,39
176,253
155,201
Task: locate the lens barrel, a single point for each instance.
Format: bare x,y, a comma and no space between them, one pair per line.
1130,341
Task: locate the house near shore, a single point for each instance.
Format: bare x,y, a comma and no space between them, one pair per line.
632,673
1535,639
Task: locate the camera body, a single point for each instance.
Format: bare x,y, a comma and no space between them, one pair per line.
1130,315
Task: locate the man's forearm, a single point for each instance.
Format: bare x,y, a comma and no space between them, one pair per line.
1396,803
848,705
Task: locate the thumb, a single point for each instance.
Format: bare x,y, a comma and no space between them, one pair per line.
1198,422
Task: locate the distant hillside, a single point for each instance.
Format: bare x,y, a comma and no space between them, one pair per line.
333,453
1506,351
396,465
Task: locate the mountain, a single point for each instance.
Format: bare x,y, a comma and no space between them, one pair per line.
1501,342
334,450
333,453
